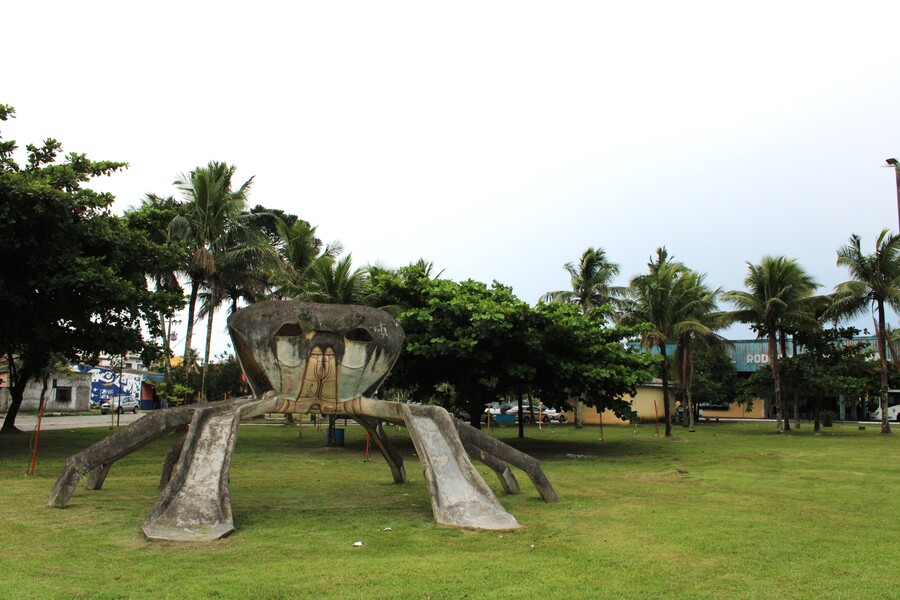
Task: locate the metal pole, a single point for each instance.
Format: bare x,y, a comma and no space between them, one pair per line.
897,173
893,162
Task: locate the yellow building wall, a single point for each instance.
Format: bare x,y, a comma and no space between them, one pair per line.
736,411
643,403
649,403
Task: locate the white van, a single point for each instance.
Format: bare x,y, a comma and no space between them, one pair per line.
893,407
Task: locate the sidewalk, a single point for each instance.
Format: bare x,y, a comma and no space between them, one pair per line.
27,422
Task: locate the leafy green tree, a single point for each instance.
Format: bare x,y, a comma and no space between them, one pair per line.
225,378
454,335
152,217
828,363
715,380
582,354
875,285
484,342
73,279
778,292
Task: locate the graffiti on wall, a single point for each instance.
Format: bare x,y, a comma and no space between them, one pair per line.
107,384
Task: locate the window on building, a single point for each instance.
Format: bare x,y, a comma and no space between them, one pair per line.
63,395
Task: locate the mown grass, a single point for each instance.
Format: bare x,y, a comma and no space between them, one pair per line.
732,511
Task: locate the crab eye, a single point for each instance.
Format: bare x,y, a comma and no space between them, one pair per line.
359,335
287,348
288,330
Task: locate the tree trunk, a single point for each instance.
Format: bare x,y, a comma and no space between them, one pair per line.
816,419
579,409
474,401
192,305
689,378
520,415
797,410
776,377
167,346
19,379
665,383
209,324
782,341
882,354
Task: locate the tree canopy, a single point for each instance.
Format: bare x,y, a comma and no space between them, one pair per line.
73,279
484,342
874,285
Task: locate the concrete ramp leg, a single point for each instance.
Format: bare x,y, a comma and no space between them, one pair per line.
390,454
196,503
98,458
477,439
459,496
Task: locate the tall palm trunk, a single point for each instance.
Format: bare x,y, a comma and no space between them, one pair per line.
167,346
688,381
776,377
665,384
681,365
882,354
209,324
192,306
795,396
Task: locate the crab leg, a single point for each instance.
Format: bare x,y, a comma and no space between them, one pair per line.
196,503
393,458
472,437
107,451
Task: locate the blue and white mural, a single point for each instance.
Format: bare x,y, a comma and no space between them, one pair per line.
109,383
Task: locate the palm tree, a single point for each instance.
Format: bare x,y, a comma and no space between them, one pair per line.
698,321
778,294
591,279
300,251
212,208
336,282
875,283
591,288
668,298
242,263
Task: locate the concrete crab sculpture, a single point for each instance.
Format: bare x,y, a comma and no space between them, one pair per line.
301,358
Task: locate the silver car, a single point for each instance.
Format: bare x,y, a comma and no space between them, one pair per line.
120,405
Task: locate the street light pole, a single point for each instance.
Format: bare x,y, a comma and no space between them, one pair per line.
169,338
892,162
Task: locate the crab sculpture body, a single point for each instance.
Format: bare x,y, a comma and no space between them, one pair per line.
307,358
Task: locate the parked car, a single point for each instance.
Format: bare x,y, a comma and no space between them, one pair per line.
546,415
120,405
494,409
463,416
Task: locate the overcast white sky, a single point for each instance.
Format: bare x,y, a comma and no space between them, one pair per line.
496,139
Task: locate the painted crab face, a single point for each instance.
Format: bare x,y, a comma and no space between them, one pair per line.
314,354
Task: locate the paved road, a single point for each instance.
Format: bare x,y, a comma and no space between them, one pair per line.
27,422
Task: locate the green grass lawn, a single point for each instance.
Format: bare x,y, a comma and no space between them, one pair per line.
731,511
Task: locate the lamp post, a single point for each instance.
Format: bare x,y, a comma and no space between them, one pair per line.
170,337
892,162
